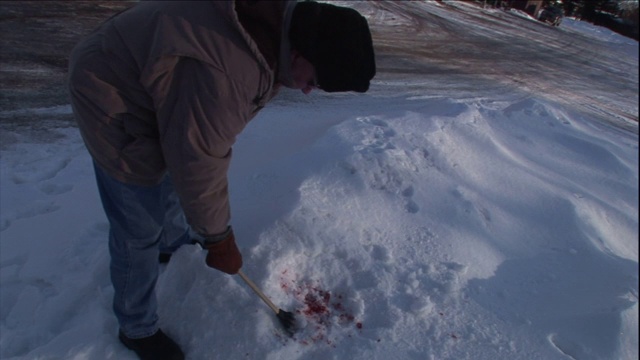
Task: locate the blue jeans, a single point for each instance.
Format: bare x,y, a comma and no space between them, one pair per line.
145,220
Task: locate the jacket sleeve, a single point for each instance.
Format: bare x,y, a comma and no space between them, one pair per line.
199,114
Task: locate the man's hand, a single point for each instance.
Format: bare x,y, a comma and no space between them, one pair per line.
224,255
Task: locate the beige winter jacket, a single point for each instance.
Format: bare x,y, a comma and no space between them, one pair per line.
167,86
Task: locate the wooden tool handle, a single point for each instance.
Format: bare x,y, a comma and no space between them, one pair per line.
258,292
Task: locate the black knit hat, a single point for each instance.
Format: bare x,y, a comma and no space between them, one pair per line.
337,41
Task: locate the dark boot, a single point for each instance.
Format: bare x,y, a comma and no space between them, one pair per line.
155,347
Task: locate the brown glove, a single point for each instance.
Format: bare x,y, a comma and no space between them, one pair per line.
224,255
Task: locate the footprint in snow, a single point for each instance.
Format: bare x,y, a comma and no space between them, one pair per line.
411,206
378,135
25,173
35,209
29,211
379,253
55,189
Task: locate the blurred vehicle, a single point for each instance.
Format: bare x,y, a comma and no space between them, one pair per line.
551,15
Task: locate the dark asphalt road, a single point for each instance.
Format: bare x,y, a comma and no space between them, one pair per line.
456,56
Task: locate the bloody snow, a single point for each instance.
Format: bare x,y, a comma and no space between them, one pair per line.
317,311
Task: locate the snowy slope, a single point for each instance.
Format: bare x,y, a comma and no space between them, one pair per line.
399,224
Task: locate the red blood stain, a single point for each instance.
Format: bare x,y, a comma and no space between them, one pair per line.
346,318
316,304
321,309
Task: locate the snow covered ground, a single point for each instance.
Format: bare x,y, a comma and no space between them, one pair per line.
400,224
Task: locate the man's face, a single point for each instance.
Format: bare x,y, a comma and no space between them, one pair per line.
303,73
